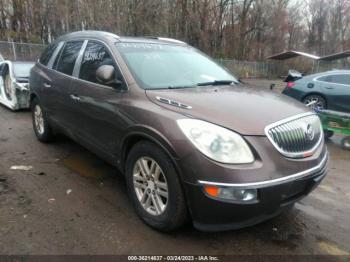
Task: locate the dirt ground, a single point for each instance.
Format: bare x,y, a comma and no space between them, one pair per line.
71,202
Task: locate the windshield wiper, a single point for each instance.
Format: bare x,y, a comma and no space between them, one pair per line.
178,87
216,83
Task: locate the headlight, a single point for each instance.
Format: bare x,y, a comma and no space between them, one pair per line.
217,143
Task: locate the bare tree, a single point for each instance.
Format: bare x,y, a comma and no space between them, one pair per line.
240,29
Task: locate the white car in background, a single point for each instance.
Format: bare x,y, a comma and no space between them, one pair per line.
14,88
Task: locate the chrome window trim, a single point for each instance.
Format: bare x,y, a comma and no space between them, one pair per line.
172,40
54,55
273,182
316,79
289,154
75,78
76,69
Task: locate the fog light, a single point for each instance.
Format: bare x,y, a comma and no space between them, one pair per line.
232,194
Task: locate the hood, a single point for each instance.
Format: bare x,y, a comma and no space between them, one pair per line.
243,109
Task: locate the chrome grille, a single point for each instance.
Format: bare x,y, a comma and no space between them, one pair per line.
297,136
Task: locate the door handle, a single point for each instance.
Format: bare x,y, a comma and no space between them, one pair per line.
75,97
329,87
47,85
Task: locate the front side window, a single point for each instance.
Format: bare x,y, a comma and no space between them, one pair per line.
95,55
66,59
343,79
158,66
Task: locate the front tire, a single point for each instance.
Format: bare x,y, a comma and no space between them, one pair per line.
41,125
154,187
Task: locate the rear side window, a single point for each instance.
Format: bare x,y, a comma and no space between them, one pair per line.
95,55
46,55
343,79
68,56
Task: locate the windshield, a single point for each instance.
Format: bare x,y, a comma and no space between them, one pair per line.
22,70
158,66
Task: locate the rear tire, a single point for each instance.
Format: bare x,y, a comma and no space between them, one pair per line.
164,210
320,102
41,126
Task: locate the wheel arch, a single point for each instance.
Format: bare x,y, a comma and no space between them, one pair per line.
33,96
142,133
315,93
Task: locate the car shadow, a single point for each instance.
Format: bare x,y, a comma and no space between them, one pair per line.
285,230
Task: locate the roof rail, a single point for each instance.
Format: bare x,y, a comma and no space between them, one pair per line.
166,39
171,40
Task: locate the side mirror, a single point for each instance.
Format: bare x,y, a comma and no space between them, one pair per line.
105,74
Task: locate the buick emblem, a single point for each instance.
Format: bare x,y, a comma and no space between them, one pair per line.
309,132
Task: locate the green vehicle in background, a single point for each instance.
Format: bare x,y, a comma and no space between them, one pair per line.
327,93
336,122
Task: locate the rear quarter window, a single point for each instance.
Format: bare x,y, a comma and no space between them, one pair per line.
46,55
327,78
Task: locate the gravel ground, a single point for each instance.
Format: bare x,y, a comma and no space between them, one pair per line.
71,202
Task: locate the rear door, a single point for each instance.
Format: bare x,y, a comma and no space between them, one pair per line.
96,106
58,89
41,75
338,90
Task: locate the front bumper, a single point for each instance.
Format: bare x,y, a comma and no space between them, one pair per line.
274,196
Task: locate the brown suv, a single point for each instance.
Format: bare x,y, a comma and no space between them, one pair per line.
191,140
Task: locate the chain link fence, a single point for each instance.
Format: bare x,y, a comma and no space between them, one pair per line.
279,69
20,51
246,69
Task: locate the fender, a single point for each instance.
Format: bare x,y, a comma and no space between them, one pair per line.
139,132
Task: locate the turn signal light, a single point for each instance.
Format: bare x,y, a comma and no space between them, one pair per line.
236,195
212,190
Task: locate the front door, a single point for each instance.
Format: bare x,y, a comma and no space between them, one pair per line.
97,106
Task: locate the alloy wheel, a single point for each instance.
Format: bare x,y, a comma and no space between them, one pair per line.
314,102
39,119
150,186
